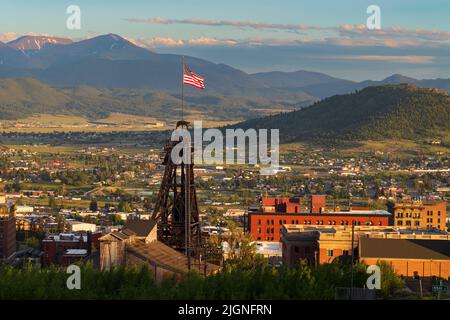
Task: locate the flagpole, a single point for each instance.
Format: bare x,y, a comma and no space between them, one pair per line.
182,89
187,184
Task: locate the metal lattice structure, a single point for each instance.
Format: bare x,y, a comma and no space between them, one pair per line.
176,208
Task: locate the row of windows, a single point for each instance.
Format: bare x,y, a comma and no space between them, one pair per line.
268,230
408,215
408,223
267,239
317,222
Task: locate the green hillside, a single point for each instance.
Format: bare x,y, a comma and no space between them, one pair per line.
24,97
390,111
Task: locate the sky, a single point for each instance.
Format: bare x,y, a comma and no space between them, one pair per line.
260,35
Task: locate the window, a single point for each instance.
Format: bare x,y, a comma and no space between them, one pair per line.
258,230
399,223
259,221
329,252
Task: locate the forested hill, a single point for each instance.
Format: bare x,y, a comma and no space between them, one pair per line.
390,111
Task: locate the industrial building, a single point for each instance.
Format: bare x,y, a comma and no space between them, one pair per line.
136,244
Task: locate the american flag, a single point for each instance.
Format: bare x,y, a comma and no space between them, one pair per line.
192,79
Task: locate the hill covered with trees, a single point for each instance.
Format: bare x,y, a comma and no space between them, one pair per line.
401,111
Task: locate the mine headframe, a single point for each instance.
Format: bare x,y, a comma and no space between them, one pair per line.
176,208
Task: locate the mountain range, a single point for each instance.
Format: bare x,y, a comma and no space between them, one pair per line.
23,97
108,74
110,61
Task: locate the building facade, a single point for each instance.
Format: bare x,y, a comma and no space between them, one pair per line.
319,245
269,226
412,259
421,215
266,224
57,248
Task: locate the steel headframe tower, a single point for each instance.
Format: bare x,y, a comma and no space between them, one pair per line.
176,208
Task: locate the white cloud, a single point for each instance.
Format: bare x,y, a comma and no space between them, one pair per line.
387,58
8,36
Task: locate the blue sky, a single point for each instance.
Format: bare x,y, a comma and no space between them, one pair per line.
261,35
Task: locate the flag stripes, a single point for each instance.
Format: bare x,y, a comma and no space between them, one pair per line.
192,79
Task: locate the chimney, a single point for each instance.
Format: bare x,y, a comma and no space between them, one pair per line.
318,203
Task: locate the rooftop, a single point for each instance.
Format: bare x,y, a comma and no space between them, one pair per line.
420,249
343,232
337,213
76,252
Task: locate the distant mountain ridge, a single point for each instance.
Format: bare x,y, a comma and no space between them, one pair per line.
24,97
26,43
110,61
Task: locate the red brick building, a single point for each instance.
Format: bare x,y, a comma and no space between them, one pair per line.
268,227
418,252
267,224
56,247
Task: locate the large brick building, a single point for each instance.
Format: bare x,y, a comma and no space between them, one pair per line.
267,224
421,215
412,259
7,231
59,249
429,249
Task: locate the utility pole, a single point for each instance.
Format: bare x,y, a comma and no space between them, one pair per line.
353,259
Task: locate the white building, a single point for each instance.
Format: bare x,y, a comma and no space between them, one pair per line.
24,209
77,226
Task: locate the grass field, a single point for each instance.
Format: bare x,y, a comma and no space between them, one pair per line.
45,123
